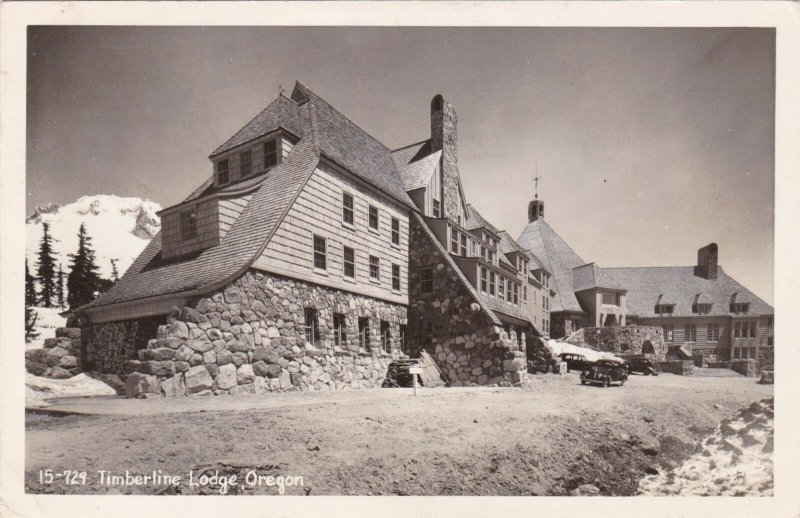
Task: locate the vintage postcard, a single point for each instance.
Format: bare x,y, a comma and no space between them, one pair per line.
540,251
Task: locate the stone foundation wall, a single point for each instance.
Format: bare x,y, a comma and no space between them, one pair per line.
109,345
467,346
624,340
679,367
250,337
59,358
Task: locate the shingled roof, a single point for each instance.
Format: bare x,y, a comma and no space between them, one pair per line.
680,286
322,131
475,220
558,258
416,164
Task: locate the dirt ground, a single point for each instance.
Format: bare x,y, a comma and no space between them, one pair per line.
547,438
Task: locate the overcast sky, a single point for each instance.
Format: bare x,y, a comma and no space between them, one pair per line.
650,143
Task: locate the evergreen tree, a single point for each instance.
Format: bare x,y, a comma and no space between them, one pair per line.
30,288
46,269
30,324
60,287
83,282
114,271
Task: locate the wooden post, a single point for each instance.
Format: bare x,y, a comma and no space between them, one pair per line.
414,371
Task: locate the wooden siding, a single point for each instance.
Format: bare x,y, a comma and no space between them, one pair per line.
229,211
318,211
207,229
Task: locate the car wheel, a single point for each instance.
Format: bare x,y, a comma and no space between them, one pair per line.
646,373
605,383
583,382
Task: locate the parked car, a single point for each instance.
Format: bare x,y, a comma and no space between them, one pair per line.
605,372
644,365
575,362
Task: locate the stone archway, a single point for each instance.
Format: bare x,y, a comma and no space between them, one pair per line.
647,348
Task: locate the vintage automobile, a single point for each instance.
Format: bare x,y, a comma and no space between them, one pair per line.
575,362
605,372
644,365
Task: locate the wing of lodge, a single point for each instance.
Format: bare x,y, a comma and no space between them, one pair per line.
321,253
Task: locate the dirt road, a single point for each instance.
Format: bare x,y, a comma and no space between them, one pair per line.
546,438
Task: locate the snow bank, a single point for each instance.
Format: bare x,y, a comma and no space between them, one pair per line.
120,228
559,347
735,461
38,390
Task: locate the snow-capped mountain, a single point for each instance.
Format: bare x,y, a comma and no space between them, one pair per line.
120,228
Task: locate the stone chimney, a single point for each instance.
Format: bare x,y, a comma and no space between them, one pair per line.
444,137
707,262
535,210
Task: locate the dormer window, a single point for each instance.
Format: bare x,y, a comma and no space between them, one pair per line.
437,209
740,307
188,224
223,172
246,163
665,309
270,154
701,309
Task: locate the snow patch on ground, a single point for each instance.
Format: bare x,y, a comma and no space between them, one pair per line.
39,390
120,228
736,460
559,347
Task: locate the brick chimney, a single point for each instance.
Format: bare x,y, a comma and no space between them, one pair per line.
444,137
707,262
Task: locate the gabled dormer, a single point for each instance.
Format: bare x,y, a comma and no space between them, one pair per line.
252,159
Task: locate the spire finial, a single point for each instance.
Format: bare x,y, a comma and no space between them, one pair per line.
536,181
281,91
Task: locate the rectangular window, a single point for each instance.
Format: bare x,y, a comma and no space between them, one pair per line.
453,240
525,296
689,333
669,333
737,329
437,209
223,172
501,288
491,283
374,268
403,345
270,154
426,280
484,279
770,341
347,209
516,294
463,244
320,258
396,277
188,224
246,163
712,333
386,337
338,330
363,334
311,325
701,309
769,322
427,332
349,257
664,309
395,231
373,217
753,326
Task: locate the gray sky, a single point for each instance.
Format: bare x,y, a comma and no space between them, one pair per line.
650,142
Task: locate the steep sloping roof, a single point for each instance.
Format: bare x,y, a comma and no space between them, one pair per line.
509,245
416,164
557,257
345,143
475,220
280,113
680,286
322,131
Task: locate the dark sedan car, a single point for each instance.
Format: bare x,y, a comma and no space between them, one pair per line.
644,365
575,362
605,372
